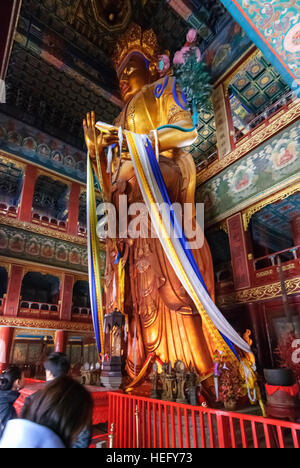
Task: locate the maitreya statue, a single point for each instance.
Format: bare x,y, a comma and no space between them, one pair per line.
162,317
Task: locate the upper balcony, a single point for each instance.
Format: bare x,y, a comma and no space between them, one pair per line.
268,269
258,104
43,296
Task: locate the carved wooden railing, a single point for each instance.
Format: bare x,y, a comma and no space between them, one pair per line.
39,310
82,231
292,252
264,116
49,222
81,314
8,210
266,270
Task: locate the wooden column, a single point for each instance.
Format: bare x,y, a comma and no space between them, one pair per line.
66,297
239,254
6,339
9,14
222,119
25,210
13,291
73,211
60,344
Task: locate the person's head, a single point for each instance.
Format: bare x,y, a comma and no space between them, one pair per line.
56,365
12,378
63,406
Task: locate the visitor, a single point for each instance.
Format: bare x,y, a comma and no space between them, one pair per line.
11,381
57,365
53,418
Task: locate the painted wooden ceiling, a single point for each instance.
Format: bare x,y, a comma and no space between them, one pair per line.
61,60
255,88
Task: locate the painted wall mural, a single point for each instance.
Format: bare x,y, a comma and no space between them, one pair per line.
25,245
270,165
33,145
274,27
229,45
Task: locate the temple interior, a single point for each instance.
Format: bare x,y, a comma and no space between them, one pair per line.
58,63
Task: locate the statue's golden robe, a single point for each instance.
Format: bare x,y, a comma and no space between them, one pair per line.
160,313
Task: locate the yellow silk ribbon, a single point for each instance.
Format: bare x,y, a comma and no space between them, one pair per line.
212,330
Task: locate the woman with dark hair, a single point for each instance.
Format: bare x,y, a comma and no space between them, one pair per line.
53,419
11,381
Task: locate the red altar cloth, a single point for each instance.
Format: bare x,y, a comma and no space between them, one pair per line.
99,395
292,391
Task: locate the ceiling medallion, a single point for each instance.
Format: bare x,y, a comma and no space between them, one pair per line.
113,15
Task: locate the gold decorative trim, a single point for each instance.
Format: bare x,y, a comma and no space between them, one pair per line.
247,144
19,322
247,214
18,164
5,220
224,226
259,293
32,332
53,270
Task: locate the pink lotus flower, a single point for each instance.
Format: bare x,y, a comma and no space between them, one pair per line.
180,56
191,36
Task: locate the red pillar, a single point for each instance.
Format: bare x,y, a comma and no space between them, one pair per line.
6,339
295,223
66,297
25,210
9,14
238,249
13,291
73,209
60,344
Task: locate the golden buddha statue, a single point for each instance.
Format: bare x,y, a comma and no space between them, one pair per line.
162,318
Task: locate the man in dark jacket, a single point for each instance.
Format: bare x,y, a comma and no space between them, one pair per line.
57,365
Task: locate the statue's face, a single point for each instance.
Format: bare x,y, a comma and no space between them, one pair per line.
134,76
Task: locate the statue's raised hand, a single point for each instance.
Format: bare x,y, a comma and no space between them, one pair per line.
92,134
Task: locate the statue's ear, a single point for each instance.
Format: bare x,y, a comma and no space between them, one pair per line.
153,70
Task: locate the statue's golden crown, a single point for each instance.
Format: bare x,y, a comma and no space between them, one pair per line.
135,40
